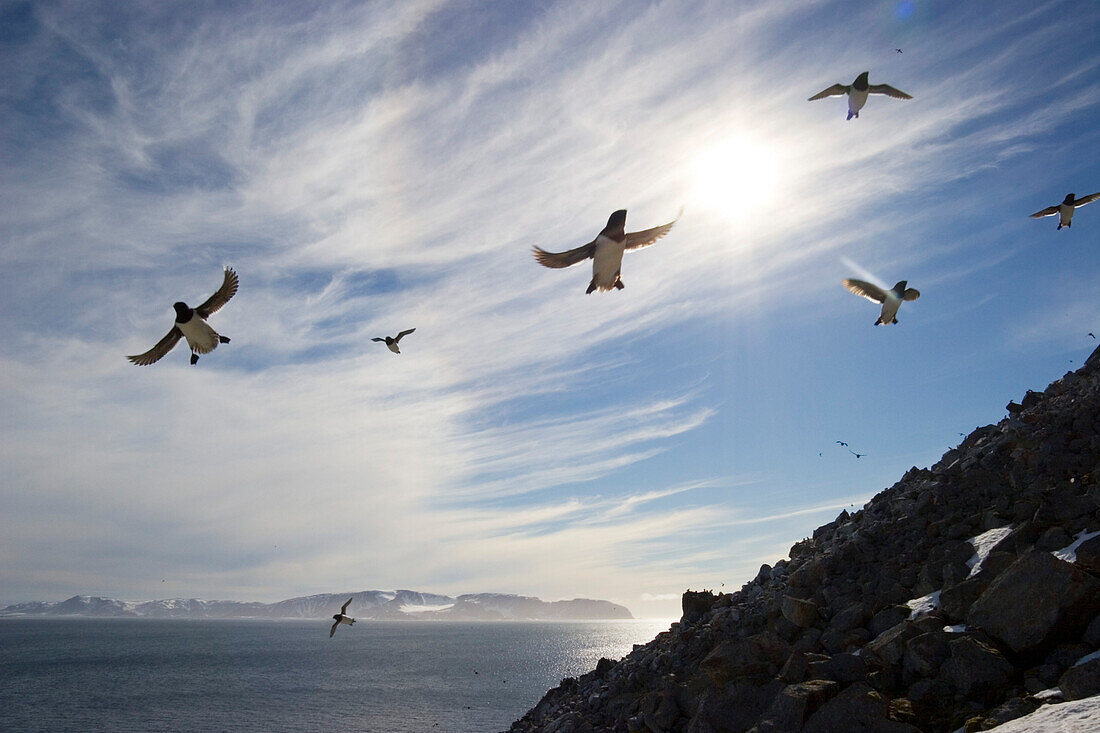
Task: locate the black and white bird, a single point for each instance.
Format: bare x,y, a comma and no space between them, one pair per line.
1065,209
890,299
606,251
341,618
191,324
391,341
857,93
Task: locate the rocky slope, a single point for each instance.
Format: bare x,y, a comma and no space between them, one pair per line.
964,596
399,605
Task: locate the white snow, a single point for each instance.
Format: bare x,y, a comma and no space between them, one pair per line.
924,604
409,608
1069,554
1048,693
1078,716
983,543
960,628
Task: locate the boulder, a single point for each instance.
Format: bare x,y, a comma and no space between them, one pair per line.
858,709
925,654
1088,555
794,704
799,612
977,671
1036,601
842,668
758,656
1081,680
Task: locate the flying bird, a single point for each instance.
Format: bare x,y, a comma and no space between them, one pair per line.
1065,209
857,455
1092,334
391,341
890,299
857,93
191,324
606,251
341,618
841,442
898,50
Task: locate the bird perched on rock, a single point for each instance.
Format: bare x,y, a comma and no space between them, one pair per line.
1065,209
341,618
191,324
890,299
391,341
606,251
857,93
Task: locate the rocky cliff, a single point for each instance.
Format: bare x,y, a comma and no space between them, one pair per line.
964,596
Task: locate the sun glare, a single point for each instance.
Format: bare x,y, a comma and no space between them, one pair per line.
735,177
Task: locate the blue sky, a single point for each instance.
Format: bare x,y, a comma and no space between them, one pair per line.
371,167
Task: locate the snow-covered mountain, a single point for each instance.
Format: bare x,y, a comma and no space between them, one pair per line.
369,604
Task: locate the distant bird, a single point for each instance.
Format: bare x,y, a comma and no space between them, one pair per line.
841,442
606,251
857,93
962,435
890,299
898,50
391,341
857,455
1092,334
191,324
341,618
1065,209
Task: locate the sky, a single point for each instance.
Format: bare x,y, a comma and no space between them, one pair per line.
368,167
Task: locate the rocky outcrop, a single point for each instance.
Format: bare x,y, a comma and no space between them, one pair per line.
964,596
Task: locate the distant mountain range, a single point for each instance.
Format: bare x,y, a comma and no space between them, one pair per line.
398,605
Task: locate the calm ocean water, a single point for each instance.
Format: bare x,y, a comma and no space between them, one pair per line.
78,674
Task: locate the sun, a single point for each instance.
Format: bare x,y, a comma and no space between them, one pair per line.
735,177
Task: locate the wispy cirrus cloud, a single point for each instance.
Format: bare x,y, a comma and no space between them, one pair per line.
382,166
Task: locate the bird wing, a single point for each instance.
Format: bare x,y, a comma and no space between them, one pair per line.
220,298
344,608
163,346
564,259
403,334
833,91
1048,211
1086,199
378,339
646,237
866,290
888,90
333,629
911,294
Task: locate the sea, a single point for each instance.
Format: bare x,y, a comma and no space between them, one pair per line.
139,674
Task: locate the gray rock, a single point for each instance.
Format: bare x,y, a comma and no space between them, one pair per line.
1036,600
759,656
1088,555
977,671
925,654
858,709
1081,681
800,613
794,704
732,709
842,668
1017,707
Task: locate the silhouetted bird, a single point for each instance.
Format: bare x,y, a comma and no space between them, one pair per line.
606,251
857,455
898,50
1092,334
1065,209
890,299
391,341
841,442
191,325
857,93
341,618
